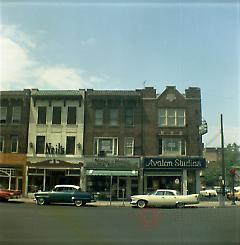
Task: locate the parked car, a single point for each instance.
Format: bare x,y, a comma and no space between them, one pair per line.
6,194
208,193
164,197
64,194
236,194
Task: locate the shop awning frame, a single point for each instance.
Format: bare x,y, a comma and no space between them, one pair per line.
112,172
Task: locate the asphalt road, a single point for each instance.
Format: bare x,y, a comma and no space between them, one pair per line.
63,224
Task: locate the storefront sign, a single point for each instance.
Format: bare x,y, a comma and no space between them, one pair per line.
110,162
153,163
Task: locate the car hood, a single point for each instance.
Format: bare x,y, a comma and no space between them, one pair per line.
140,196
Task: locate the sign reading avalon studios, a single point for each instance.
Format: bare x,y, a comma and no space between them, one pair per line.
187,162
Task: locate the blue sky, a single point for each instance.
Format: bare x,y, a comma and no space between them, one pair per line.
109,45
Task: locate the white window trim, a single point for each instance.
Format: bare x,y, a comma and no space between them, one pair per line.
115,140
174,153
127,147
175,117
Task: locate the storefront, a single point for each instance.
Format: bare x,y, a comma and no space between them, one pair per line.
12,171
44,175
112,177
182,174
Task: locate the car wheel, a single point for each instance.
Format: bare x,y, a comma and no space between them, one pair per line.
79,203
41,201
180,205
141,204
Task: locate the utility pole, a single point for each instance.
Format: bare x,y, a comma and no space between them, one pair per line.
222,201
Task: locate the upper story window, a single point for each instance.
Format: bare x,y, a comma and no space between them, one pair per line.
71,116
172,147
14,144
108,146
70,146
3,114
129,117
169,117
57,115
40,144
114,117
42,112
98,117
128,146
16,114
1,143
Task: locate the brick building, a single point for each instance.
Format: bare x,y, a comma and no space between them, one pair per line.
55,141
140,140
14,120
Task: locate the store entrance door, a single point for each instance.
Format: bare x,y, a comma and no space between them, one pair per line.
121,187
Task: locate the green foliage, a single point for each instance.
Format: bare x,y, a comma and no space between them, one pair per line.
214,170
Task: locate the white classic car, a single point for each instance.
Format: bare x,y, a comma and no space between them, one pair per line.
208,193
162,197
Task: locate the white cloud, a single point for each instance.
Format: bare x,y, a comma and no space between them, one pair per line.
20,68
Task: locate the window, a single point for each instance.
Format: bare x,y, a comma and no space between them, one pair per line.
14,144
16,114
129,117
160,193
169,193
171,117
172,147
56,116
71,116
99,117
114,117
42,110
107,145
3,114
70,147
129,146
40,144
1,143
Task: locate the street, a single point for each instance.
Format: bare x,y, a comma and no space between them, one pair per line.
23,223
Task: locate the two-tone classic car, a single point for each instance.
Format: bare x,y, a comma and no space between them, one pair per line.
164,197
64,194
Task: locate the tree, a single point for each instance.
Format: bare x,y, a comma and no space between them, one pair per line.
214,171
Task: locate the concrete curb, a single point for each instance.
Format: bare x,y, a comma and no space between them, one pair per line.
203,204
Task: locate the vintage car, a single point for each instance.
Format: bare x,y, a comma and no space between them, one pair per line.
6,194
64,194
162,197
208,193
236,194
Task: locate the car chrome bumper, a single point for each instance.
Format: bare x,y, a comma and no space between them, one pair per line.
134,202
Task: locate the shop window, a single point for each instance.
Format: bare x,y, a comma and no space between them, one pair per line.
1,143
170,117
14,144
129,117
71,116
16,114
129,146
42,112
70,146
108,146
98,117
56,116
40,144
172,147
114,117
3,114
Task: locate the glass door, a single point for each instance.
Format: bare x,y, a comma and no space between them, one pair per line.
121,187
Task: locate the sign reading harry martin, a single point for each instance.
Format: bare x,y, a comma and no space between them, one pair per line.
112,163
188,162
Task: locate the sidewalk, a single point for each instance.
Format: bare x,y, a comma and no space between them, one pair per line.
202,204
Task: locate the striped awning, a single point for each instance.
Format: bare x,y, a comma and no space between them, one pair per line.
112,173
